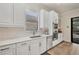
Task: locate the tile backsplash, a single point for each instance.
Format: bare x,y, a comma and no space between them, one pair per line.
8,33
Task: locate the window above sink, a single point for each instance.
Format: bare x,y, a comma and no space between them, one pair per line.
31,20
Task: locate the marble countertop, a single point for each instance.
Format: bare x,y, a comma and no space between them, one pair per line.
11,41
17,39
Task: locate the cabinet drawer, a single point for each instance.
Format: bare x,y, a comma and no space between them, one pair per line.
7,50
22,43
23,48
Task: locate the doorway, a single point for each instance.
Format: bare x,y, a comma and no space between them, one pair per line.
75,30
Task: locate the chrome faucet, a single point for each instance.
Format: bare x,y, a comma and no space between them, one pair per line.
34,31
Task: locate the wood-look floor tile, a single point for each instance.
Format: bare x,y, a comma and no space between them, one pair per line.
65,48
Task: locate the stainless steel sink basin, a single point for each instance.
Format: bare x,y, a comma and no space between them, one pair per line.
35,36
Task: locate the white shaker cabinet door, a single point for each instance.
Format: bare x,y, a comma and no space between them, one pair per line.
19,14
6,13
50,22
23,48
42,45
49,43
7,50
55,17
43,19
60,37
34,47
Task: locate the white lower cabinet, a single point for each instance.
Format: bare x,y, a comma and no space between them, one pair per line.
38,46
59,40
42,45
22,48
56,42
49,42
60,37
34,47
7,50
28,47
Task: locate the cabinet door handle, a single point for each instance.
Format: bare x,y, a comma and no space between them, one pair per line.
40,44
29,48
4,49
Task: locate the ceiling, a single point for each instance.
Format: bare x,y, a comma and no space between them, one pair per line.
62,7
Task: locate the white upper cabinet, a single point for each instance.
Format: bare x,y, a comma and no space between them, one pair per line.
54,16
50,23
6,13
15,14
12,14
53,19
19,14
43,19
47,18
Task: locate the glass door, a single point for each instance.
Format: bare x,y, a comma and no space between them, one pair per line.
75,30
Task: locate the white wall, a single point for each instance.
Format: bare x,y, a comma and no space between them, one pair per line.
66,23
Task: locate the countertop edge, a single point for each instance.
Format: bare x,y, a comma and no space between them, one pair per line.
17,40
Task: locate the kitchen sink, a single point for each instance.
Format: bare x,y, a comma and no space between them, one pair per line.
35,36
